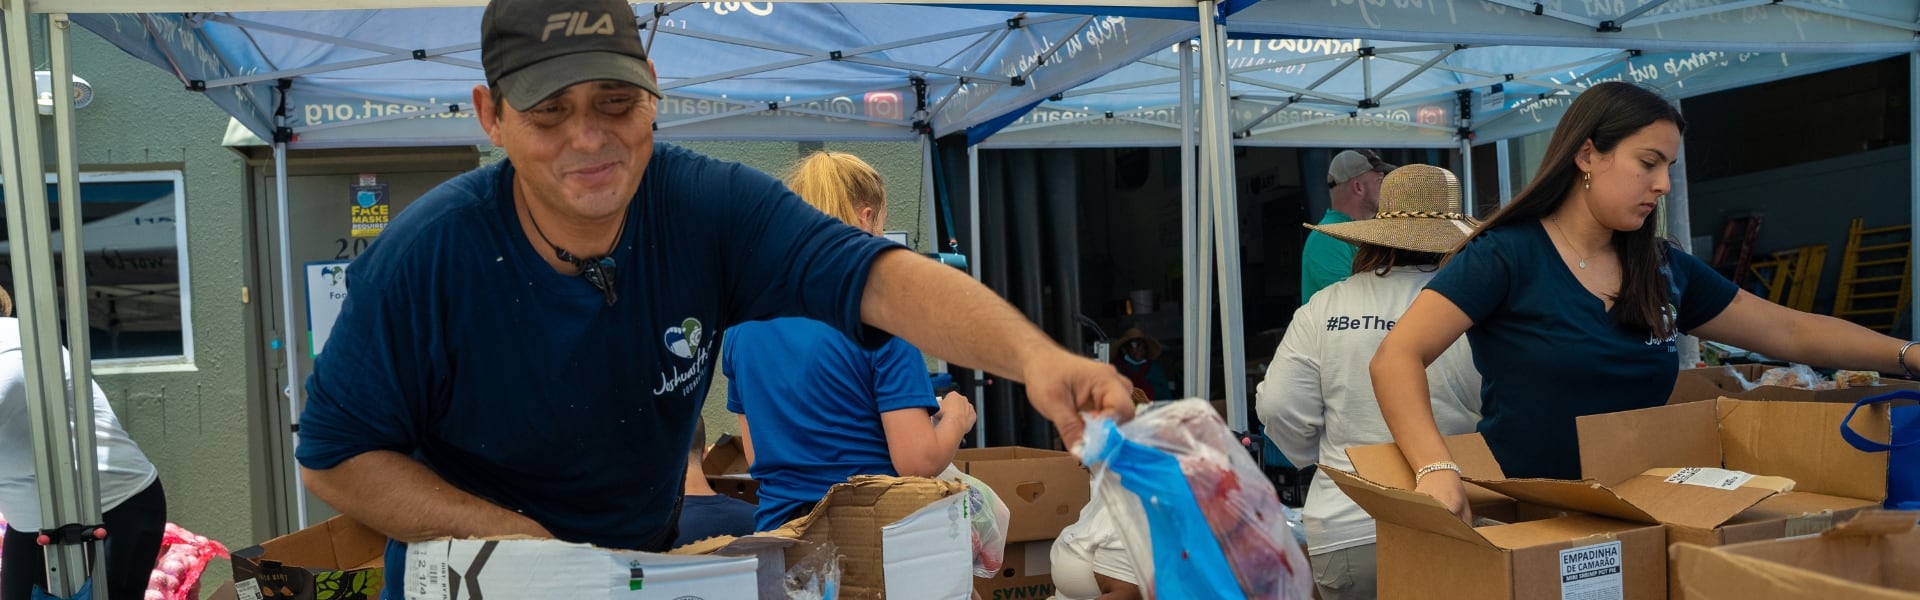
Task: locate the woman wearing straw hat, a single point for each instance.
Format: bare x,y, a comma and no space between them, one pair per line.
1137,356
1316,400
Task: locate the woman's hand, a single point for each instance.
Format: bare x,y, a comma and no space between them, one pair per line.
1445,486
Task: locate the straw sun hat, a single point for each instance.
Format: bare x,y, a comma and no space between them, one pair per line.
1420,210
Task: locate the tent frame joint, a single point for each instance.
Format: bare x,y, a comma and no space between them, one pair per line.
1608,26
196,85
1368,103
419,54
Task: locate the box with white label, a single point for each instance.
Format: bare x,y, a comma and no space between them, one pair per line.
1721,452
1548,549
526,568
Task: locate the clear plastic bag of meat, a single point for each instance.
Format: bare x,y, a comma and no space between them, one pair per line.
1199,518
989,517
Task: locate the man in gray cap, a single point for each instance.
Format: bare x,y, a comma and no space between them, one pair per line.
527,346
1353,183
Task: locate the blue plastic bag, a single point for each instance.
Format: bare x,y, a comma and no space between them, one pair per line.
1199,518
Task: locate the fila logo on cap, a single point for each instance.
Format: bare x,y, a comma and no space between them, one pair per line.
574,23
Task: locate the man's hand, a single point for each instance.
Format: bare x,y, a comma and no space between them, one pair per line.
1062,385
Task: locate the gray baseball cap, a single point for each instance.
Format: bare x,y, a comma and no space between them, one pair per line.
1353,163
533,49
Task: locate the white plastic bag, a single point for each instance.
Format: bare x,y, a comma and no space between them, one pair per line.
1196,512
989,517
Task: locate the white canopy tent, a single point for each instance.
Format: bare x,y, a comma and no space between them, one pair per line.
367,73
987,75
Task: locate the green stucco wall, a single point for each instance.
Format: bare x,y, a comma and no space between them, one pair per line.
190,421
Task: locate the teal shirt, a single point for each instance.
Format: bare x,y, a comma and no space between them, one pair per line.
1325,259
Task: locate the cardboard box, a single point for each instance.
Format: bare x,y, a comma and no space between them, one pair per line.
1869,558
448,569
1425,552
1027,574
339,559
1044,489
224,592
1694,385
1796,440
897,537
725,465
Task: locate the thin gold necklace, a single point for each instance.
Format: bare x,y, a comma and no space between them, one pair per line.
1563,235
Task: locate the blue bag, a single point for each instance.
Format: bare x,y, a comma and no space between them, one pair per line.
1902,447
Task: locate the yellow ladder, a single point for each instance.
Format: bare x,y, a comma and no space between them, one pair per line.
1792,277
1874,285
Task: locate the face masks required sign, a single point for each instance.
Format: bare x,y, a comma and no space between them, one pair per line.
369,211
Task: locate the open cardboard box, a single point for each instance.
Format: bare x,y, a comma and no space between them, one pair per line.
1424,551
726,467
1044,489
1871,557
1026,574
1694,385
339,556
1795,440
897,537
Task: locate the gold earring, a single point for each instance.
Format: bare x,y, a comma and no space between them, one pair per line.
1588,178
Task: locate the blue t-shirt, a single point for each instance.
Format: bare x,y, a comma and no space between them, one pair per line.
461,347
813,401
1549,351
1325,260
702,517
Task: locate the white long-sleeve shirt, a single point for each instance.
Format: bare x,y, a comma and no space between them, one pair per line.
1317,399
124,470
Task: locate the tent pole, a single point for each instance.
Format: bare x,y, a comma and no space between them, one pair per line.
289,332
929,227
974,264
1678,206
1202,245
74,270
1193,382
1503,155
1217,157
1466,175
59,472
1913,166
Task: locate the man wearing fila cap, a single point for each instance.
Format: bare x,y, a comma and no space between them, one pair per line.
527,346
1353,184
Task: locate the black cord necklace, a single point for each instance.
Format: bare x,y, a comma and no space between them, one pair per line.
598,270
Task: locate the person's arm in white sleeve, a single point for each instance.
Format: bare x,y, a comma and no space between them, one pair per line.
1289,401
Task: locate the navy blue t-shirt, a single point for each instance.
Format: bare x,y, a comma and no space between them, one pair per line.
1549,351
461,347
703,517
813,401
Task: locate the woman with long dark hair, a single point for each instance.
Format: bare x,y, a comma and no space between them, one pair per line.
1572,305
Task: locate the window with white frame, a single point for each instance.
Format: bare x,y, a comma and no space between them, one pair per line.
133,234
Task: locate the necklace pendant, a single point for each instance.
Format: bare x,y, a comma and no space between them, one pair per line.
1583,264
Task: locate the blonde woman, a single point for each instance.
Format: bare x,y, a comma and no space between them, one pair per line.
815,407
